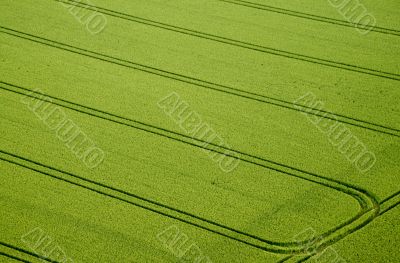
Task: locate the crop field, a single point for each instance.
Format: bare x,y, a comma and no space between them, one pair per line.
200,131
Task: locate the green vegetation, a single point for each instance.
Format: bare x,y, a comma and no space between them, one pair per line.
100,163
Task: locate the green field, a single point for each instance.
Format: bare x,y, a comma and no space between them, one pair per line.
199,131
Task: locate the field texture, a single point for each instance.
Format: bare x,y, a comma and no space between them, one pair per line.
200,131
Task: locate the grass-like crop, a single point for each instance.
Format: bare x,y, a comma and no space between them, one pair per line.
199,131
